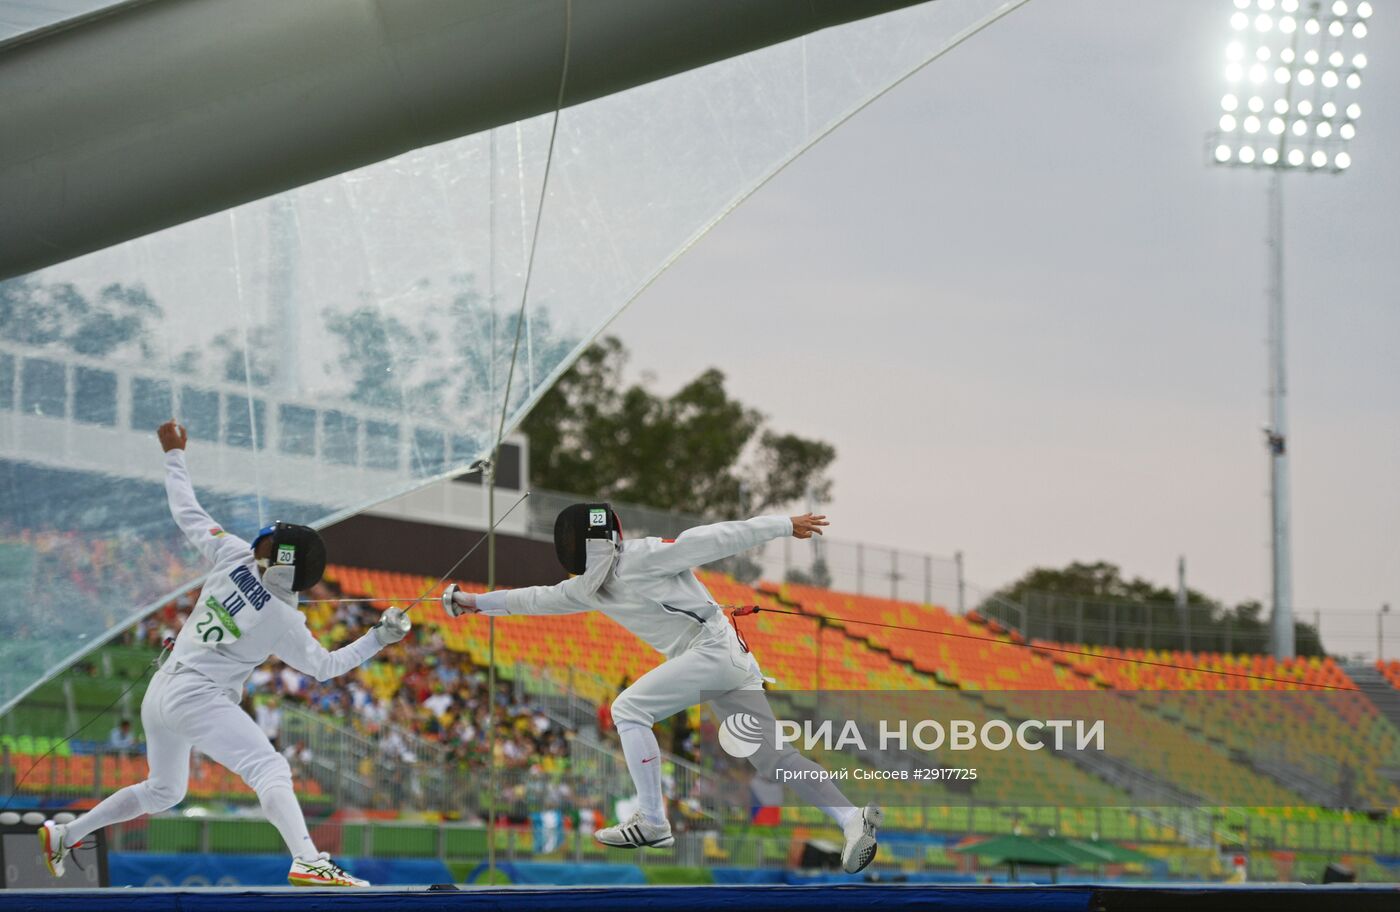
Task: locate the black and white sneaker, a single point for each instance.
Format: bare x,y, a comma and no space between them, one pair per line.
636,833
860,839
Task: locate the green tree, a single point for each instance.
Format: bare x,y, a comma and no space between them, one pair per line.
697,451
375,346
483,337
259,362
37,315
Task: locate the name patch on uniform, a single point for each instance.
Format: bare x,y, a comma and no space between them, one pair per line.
249,585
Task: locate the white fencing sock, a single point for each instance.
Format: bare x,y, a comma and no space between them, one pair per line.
841,815
279,803
816,789
644,763
123,804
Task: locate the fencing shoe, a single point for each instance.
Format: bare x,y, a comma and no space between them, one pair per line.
320,871
634,833
860,838
53,838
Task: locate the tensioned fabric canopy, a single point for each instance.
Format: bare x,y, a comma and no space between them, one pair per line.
386,239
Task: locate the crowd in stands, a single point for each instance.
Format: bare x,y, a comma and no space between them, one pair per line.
422,704
413,693
414,697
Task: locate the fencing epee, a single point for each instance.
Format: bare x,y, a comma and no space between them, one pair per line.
344,342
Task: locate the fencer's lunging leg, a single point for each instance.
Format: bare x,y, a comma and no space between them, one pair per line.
809,784
667,689
643,754
168,759
235,741
118,807
805,775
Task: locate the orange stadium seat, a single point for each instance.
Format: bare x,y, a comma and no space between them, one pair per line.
815,638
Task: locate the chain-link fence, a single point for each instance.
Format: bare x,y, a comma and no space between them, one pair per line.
1194,627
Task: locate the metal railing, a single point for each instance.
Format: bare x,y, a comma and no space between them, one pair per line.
396,770
566,837
594,781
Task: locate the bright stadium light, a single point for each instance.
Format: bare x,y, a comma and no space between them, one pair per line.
1291,58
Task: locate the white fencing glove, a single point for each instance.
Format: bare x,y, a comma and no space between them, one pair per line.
392,627
457,603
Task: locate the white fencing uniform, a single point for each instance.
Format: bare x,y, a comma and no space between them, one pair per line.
237,624
647,585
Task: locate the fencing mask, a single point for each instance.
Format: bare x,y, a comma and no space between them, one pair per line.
298,556
576,525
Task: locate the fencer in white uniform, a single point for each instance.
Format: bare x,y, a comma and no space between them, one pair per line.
647,585
246,613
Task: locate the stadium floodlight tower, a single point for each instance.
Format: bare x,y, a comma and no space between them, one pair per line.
1293,68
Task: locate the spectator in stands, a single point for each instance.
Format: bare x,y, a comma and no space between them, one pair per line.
299,756
122,739
605,719
268,715
290,680
439,702
264,678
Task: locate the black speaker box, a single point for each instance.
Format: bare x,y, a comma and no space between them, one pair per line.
820,854
1336,873
22,858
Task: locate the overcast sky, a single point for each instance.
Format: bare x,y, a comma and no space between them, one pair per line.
1031,317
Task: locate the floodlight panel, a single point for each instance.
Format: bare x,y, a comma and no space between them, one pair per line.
1300,61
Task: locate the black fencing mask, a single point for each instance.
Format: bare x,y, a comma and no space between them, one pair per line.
576,525
295,548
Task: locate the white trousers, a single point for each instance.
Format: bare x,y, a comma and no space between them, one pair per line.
715,668
714,664
184,710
